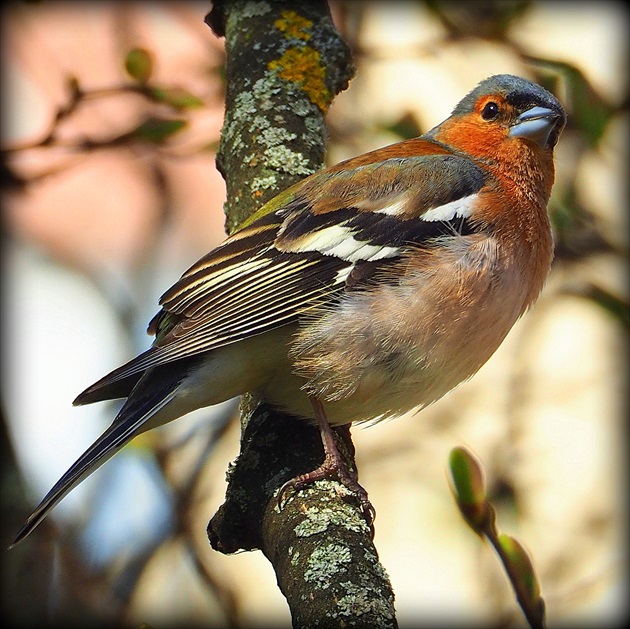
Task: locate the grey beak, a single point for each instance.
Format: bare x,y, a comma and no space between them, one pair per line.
535,124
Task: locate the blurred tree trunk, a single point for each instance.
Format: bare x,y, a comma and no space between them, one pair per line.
285,62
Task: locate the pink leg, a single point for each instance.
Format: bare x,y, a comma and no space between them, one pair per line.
333,466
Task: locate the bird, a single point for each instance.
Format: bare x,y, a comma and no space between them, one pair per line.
369,289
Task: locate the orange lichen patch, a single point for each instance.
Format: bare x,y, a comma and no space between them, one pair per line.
294,25
303,66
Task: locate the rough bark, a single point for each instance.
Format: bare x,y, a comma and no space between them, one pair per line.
285,62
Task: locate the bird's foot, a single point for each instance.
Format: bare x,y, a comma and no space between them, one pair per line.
333,466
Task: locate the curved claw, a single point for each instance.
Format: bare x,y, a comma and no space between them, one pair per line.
333,466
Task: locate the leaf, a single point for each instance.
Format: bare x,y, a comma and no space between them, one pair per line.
405,127
614,305
589,112
158,130
176,97
139,64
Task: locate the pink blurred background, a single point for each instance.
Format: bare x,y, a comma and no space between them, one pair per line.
96,227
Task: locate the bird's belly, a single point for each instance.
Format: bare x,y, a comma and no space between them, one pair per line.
390,350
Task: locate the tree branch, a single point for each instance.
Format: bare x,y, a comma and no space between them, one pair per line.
285,63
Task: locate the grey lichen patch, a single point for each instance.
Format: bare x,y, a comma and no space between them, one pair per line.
318,519
295,558
314,125
264,90
350,519
253,8
259,125
244,111
263,183
361,600
276,135
325,562
267,139
245,103
303,108
314,129
248,9
285,160
376,565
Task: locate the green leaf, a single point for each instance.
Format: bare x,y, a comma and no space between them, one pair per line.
405,127
158,130
614,305
139,64
176,97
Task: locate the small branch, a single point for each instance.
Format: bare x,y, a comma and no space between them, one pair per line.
469,490
76,96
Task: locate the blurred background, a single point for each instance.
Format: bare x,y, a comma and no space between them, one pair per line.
110,192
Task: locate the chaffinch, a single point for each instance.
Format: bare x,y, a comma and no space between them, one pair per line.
366,290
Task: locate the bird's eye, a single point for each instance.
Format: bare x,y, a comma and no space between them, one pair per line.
490,111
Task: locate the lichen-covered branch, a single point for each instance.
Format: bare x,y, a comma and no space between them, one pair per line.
285,62
319,543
